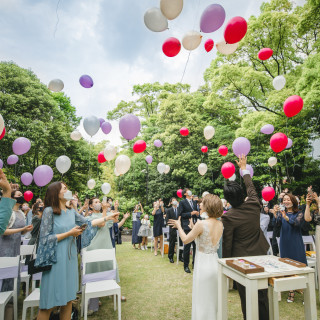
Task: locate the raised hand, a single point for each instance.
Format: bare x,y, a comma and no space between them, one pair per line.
242,163
4,185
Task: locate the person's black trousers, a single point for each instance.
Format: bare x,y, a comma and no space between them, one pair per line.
186,251
172,242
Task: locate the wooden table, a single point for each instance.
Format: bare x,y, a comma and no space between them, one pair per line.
256,281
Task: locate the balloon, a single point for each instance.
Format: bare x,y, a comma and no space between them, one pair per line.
228,169
208,132
202,168
208,45
42,175
139,146
204,149
101,121
223,150
91,184
278,142
106,188
106,127
149,159
3,133
248,167
241,146
267,129
26,178
289,144
123,164
28,195
212,18
13,159
91,125
227,48
157,143
268,193
184,131
272,161
155,20
129,126
171,47
109,152
116,172
56,85
179,193
233,178
63,164
1,164
75,135
292,106
86,81
235,30
205,193
101,158
1,123
279,82
191,40
265,53
21,146
171,8
161,167
167,169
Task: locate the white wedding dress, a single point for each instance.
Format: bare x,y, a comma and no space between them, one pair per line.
205,277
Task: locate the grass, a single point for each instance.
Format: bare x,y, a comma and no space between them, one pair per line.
156,289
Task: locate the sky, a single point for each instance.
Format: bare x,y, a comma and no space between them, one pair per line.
106,39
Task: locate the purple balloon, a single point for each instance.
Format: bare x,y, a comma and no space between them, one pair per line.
101,121
289,144
106,127
1,164
26,178
21,146
157,143
13,159
267,129
42,175
129,126
86,81
241,146
149,159
247,168
212,18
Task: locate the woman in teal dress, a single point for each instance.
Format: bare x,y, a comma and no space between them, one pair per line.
57,247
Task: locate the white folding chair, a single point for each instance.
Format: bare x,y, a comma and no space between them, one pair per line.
308,240
151,239
25,250
99,284
178,247
165,232
9,269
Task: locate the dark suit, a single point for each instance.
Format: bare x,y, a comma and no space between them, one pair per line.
243,237
173,213
185,209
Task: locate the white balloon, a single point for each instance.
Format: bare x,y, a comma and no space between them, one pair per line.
202,168
205,193
56,85
233,178
91,184
155,20
279,82
76,135
167,169
226,48
272,161
208,132
116,172
191,40
109,152
171,8
63,164
161,167
1,124
123,164
106,188
91,125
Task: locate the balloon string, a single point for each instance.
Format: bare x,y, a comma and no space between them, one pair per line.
89,176
185,67
56,27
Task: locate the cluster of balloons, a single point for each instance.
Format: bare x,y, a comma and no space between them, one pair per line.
163,168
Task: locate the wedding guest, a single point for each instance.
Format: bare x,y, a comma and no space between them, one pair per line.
136,223
145,231
158,224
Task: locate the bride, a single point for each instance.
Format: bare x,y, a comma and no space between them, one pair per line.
207,234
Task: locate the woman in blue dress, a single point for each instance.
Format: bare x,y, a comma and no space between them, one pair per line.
136,224
158,224
57,247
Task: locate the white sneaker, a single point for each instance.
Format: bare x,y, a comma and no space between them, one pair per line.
145,248
142,248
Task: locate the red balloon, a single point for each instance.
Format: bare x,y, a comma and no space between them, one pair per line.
228,169
292,106
208,45
235,30
278,142
268,193
28,195
223,150
179,193
204,149
171,47
184,131
265,53
139,146
101,158
3,133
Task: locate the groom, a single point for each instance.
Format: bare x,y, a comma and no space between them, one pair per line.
242,235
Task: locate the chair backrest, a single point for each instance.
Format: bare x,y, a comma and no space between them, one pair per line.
270,234
309,240
26,250
9,267
98,255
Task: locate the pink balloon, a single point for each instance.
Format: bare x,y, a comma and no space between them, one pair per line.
228,169
101,158
292,106
129,126
28,195
241,146
171,47
157,143
179,193
139,146
278,142
21,146
26,178
289,145
204,149
184,131
268,193
223,150
267,129
42,175
149,159
13,159
235,30
265,53
106,127
208,45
